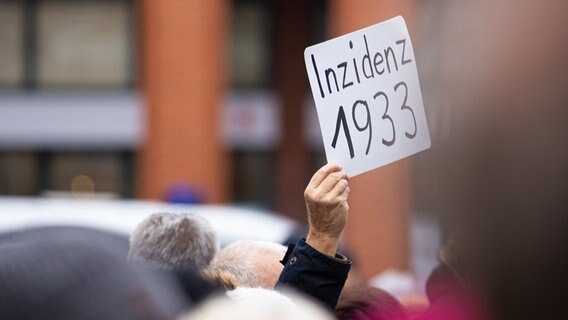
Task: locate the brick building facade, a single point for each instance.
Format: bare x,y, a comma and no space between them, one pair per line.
185,79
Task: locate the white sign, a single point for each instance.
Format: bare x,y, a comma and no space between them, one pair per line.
368,99
251,121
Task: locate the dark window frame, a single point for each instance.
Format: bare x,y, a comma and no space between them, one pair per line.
30,51
267,7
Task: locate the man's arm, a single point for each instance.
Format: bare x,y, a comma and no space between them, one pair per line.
313,266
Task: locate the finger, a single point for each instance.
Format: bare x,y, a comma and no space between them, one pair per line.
340,188
345,194
331,180
322,173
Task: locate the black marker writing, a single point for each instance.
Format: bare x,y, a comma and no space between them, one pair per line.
403,42
317,75
373,63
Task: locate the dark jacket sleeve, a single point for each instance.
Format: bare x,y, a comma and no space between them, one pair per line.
314,273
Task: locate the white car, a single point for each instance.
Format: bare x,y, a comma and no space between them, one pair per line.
122,216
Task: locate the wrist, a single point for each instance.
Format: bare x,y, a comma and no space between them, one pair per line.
326,244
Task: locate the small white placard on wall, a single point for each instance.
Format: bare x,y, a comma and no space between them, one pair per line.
368,99
251,121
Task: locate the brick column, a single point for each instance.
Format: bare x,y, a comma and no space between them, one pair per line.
380,201
183,80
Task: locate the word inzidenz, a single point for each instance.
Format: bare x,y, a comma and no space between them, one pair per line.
349,73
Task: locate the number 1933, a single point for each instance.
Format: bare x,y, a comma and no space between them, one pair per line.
380,96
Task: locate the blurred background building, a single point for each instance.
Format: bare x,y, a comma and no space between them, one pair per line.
197,101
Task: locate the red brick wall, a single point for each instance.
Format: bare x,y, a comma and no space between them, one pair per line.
183,79
380,201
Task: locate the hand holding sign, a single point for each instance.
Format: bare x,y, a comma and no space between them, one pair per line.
367,94
326,199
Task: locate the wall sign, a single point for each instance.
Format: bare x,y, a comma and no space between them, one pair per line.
251,121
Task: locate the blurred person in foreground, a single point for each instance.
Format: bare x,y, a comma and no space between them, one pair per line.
258,304
79,273
173,242
368,303
505,171
247,263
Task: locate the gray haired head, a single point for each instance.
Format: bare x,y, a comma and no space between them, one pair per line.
173,242
250,263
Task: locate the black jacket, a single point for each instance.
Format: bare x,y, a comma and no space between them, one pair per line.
314,273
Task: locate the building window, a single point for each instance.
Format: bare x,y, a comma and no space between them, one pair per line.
100,173
11,55
83,43
254,178
66,44
250,44
250,76
18,173
83,54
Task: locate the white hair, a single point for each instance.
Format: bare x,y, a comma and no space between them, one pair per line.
258,304
238,259
260,296
173,242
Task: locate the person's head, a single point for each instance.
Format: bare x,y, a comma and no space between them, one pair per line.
504,176
248,264
368,303
258,304
173,242
80,273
